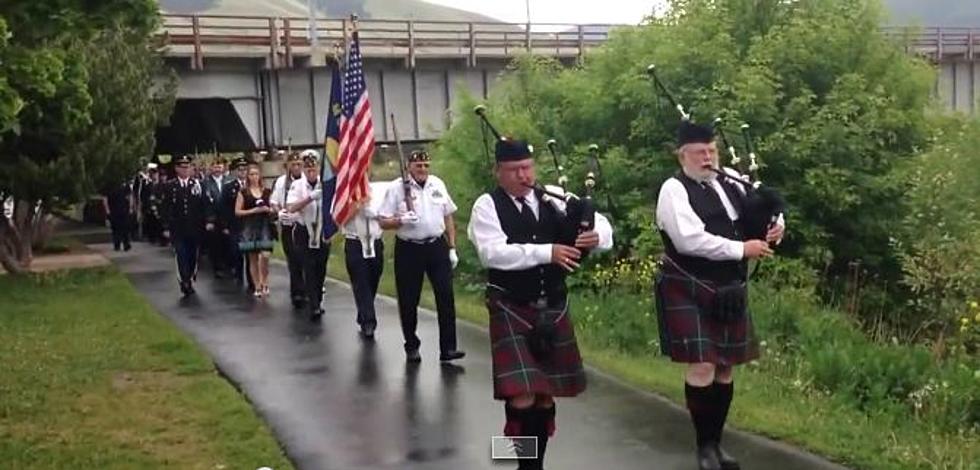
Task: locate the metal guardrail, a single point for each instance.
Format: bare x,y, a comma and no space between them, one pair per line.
282,40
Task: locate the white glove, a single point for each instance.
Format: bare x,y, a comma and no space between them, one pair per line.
453,258
409,218
316,194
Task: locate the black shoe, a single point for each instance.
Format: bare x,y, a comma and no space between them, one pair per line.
190,288
451,355
185,289
316,315
707,458
299,302
128,247
413,356
726,461
367,332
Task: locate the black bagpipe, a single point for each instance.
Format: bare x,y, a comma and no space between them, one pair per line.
579,212
762,204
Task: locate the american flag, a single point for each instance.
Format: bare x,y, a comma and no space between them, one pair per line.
356,138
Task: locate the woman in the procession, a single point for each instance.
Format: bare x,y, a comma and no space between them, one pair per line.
534,351
701,288
253,208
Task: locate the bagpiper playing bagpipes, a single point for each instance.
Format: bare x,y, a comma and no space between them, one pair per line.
529,238
712,220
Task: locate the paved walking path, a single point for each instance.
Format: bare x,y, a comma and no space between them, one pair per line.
339,403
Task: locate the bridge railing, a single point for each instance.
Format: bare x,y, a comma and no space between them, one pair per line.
938,43
283,39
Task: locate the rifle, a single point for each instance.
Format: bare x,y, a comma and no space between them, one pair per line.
403,166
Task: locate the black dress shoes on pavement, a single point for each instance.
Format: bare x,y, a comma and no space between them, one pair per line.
451,355
316,315
708,458
413,356
367,332
726,461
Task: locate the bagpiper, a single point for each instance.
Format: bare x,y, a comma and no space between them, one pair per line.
701,287
517,237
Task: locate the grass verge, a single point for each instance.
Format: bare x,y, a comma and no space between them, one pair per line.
94,378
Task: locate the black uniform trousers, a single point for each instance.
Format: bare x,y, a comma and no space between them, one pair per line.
186,248
297,286
119,224
314,262
217,247
412,261
365,274
238,261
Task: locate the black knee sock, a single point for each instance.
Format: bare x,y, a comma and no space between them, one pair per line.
546,427
699,404
520,421
722,402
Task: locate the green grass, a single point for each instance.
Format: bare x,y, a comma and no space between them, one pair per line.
775,404
93,377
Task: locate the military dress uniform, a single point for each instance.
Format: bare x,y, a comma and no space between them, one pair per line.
119,204
311,249
286,220
703,268
183,204
364,257
533,345
421,249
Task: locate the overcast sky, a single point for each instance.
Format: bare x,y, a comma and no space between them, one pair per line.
559,11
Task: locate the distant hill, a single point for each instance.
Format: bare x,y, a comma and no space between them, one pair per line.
380,9
934,12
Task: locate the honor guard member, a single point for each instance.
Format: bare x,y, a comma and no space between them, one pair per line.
286,219
305,199
364,252
183,208
425,244
215,238
701,287
534,351
232,225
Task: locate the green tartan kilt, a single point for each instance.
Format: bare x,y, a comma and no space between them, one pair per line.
688,333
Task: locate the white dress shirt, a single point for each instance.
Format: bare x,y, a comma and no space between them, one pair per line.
299,191
432,203
677,218
279,200
364,223
491,242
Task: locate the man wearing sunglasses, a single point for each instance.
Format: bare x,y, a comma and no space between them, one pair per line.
425,245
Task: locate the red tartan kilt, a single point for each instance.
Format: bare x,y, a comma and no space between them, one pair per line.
689,334
516,371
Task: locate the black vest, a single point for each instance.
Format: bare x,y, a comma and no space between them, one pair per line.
709,208
528,285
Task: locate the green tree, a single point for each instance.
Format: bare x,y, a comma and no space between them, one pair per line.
835,106
939,244
52,67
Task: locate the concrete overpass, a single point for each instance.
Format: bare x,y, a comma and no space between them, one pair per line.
278,79
274,70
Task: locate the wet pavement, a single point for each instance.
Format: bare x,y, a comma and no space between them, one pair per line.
336,402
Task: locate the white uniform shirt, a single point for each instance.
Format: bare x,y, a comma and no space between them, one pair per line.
279,197
432,204
677,218
299,191
491,242
365,223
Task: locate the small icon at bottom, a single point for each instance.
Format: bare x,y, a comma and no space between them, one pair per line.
513,447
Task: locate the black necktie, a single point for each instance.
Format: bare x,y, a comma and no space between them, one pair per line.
526,213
